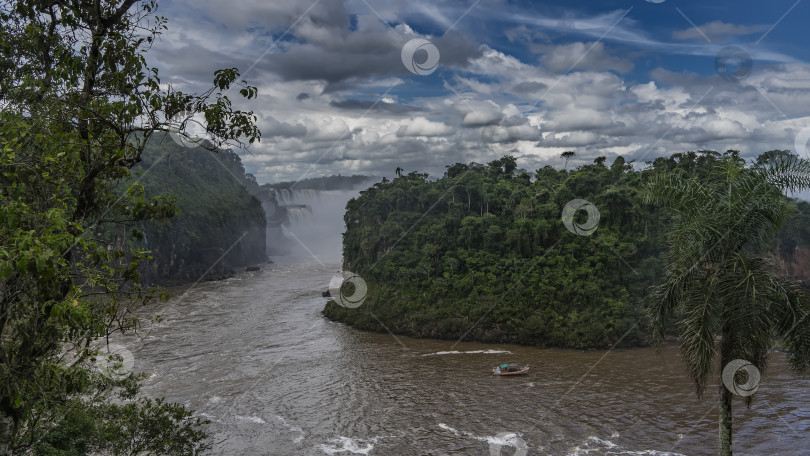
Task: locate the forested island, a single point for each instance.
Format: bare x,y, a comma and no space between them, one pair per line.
482,253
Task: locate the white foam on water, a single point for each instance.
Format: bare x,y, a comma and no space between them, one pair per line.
252,419
605,443
348,444
510,439
489,439
470,352
448,428
596,445
292,428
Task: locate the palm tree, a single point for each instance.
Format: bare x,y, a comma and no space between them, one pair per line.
727,300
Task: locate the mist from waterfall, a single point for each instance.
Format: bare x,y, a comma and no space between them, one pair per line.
307,223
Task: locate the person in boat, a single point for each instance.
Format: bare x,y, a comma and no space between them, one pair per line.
497,369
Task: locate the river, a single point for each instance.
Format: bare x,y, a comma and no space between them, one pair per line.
254,356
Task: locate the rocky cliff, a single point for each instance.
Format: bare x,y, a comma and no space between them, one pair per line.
219,225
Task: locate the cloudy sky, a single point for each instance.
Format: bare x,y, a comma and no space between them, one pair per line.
366,86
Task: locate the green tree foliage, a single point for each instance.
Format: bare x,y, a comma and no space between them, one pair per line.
79,104
720,288
567,156
482,253
219,225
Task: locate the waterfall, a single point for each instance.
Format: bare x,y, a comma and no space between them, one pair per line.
307,222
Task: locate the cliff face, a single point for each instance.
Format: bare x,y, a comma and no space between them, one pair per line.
180,254
219,225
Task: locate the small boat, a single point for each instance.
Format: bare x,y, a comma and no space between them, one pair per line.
510,369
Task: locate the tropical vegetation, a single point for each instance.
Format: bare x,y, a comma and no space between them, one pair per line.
482,252
79,103
730,306
218,225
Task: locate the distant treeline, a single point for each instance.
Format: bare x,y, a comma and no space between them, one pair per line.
482,252
337,182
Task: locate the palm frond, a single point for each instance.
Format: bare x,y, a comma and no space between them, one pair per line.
671,190
788,172
716,284
792,324
700,323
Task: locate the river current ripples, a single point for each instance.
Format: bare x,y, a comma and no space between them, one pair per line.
253,355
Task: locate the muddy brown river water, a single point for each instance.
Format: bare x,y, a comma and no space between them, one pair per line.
254,355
